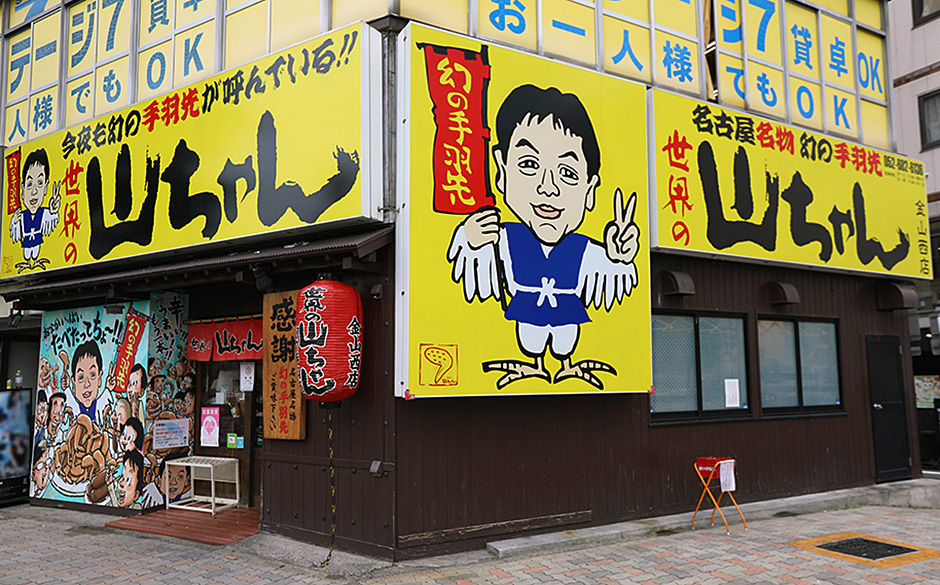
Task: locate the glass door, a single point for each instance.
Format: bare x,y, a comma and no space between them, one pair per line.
227,421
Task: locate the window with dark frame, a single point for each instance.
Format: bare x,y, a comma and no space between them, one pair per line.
699,367
929,107
925,10
799,366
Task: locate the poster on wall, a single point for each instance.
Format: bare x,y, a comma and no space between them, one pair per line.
926,390
209,435
523,224
112,379
89,447
735,184
280,143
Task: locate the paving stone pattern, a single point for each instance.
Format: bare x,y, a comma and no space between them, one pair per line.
39,546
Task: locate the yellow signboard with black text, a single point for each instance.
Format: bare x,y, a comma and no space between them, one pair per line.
281,143
522,233
735,184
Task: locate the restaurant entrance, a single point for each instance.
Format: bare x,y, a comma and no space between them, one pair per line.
230,422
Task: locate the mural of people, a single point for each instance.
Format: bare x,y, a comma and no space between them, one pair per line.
547,169
93,438
32,221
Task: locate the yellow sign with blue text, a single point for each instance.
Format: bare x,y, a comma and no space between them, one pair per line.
281,143
732,183
523,233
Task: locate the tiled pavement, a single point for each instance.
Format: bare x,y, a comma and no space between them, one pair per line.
41,545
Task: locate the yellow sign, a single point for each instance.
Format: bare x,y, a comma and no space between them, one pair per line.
525,265
731,183
280,143
568,29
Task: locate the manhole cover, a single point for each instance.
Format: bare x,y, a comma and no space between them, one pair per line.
866,549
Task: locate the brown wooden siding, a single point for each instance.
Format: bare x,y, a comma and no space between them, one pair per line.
295,480
501,464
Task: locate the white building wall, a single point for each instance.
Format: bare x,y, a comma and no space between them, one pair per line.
910,50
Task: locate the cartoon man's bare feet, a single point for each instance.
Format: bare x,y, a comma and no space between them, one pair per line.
40,263
583,371
516,370
21,266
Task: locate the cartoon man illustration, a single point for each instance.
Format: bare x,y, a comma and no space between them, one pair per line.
131,481
32,221
86,382
547,168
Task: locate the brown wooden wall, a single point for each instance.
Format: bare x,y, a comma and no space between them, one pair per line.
295,476
471,469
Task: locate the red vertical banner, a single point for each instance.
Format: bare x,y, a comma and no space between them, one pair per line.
135,325
458,81
13,181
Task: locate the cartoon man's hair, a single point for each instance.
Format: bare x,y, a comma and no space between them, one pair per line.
191,376
143,374
89,348
134,423
41,397
57,395
566,110
137,460
36,157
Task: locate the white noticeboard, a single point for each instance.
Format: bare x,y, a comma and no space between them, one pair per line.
732,393
247,374
170,433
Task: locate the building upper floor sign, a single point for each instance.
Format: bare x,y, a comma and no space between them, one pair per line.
283,142
732,183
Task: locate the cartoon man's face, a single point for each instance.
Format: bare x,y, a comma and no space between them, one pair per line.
127,485
41,472
42,411
87,380
545,180
133,384
185,405
120,414
55,413
178,481
127,438
34,187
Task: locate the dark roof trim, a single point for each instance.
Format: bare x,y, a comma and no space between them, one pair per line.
359,245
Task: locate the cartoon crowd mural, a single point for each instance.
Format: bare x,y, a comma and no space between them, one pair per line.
549,237
106,379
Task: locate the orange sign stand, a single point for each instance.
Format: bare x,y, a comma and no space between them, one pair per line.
707,469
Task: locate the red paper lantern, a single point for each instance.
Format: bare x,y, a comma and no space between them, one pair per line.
329,340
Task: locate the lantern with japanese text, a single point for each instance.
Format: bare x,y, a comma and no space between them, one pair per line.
329,340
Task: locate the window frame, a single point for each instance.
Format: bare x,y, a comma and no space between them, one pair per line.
700,414
921,102
800,409
917,7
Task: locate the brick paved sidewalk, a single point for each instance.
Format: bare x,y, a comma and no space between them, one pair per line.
761,555
41,545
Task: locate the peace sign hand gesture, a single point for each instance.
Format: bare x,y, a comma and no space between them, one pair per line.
622,236
55,200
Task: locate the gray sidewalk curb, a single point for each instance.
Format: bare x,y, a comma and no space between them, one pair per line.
915,493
